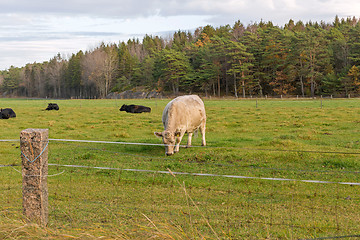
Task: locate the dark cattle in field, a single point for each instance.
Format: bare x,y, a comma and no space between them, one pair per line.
135,108
7,113
52,106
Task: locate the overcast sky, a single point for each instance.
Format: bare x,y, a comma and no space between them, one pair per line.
37,30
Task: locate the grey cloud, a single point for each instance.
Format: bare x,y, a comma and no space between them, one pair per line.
225,9
129,8
105,8
40,36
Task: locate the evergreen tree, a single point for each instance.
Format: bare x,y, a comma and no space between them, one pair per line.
144,73
318,58
208,71
240,64
354,45
297,59
73,75
275,50
174,68
127,65
11,80
218,58
252,40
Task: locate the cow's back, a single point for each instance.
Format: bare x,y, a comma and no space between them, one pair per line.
184,112
7,113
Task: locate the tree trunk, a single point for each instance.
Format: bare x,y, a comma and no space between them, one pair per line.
301,80
312,87
235,85
302,86
173,87
260,89
218,85
243,88
226,85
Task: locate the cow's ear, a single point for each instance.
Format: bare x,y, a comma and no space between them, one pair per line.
158,134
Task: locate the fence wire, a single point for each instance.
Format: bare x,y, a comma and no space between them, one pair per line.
130,190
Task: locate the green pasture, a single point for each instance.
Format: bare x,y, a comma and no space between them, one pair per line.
296,139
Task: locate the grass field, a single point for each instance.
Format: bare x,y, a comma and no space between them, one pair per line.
285,139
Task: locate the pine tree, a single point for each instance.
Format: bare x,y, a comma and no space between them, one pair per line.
173,69
318,57
208,71
73,75
240,64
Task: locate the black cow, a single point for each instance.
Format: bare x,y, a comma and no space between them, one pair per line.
7,113
134,108
52,106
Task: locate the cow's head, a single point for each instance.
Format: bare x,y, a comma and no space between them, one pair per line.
169,141
123,107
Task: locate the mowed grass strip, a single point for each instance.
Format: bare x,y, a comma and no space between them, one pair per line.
270,139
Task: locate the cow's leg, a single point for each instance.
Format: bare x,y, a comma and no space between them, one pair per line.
178,141
190,134
202,131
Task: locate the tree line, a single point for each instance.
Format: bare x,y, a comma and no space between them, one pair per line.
305,59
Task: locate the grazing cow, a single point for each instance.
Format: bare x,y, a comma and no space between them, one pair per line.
184,114
134,108
52,106
7,113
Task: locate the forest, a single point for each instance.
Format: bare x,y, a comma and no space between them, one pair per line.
261,59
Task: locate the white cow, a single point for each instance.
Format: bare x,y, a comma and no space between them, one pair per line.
184,114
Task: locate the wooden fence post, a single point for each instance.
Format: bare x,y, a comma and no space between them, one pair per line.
34,156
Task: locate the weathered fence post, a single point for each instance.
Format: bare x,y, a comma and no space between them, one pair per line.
321,103
34,156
